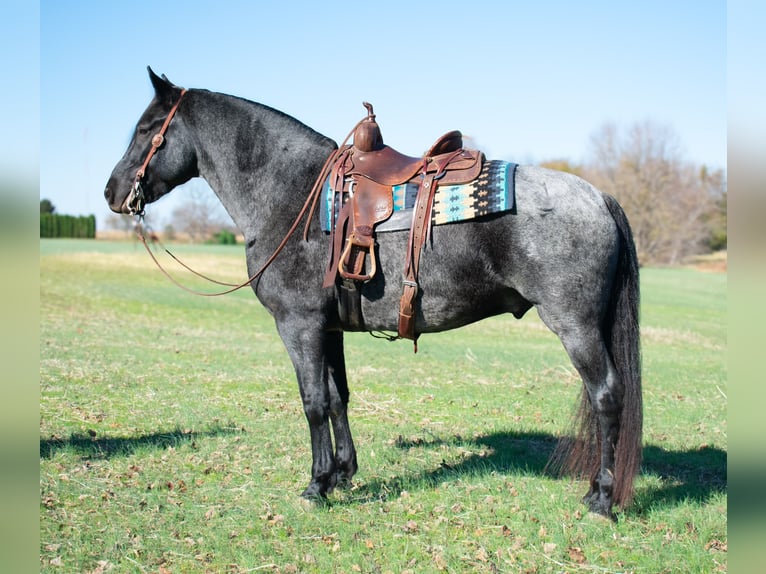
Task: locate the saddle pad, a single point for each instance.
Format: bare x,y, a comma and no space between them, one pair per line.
491,192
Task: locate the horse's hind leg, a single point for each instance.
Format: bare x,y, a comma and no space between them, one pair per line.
586,348
345,453
590,358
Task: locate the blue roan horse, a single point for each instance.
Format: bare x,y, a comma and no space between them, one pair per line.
566,249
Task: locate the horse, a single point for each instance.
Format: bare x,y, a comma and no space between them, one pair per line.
565,249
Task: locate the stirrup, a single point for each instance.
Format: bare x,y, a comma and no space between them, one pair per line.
345,256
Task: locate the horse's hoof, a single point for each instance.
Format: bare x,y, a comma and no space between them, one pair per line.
601,512
343,482
313,492
312,503
598,507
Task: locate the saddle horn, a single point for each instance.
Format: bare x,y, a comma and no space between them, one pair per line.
367,136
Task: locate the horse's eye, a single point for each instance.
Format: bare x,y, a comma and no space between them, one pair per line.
143,131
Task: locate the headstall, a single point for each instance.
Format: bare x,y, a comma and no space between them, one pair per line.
136,200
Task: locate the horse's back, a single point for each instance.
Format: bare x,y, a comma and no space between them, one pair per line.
558,242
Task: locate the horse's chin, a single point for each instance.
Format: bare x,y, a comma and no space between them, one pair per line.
121,208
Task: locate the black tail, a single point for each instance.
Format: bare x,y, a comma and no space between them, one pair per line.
580,455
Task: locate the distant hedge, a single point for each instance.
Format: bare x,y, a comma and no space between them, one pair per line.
224,237
79,226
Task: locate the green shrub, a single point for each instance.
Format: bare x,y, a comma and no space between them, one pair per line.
225,237
75,226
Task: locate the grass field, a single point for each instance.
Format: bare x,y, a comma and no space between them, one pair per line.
172,437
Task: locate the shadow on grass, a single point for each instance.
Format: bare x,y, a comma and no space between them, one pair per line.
94,447
683,475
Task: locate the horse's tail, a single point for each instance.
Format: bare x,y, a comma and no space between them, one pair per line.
580,456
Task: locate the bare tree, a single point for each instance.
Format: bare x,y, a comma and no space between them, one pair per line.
124,223
669,202
200,215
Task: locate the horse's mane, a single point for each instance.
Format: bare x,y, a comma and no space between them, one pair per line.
275,114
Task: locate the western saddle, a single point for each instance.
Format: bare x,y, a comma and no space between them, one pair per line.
364,173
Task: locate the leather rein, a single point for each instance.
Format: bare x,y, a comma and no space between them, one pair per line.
136,204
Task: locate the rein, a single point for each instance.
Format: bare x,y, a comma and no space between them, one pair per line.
234,287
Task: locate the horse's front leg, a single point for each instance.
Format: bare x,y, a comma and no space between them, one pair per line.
345,453
307,348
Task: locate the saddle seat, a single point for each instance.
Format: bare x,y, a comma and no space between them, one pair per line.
364,173
387,166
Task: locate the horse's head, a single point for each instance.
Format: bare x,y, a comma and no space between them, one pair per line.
159,156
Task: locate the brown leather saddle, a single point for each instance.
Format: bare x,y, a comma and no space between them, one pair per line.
364,173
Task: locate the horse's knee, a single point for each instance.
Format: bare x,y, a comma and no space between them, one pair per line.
317,412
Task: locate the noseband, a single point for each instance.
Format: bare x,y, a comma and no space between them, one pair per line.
136,200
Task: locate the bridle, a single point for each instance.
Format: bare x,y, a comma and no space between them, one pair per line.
136,200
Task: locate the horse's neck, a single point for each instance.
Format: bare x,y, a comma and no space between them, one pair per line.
261,163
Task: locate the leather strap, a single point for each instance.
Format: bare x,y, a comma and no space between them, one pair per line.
159,138
350,305
420,234
421,222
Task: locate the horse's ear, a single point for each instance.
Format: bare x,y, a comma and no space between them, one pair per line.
163,88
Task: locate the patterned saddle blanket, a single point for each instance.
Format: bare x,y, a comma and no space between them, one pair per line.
491,192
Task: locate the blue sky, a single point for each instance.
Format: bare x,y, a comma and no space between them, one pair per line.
528,81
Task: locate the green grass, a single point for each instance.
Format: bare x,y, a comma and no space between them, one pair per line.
172,438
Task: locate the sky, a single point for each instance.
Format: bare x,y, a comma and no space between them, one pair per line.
527,81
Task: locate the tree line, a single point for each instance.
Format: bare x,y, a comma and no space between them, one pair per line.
57,225
676,209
